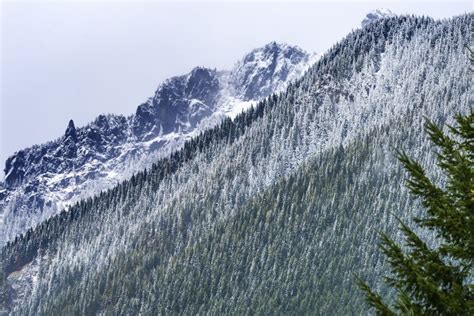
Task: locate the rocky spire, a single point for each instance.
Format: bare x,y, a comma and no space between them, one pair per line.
71,131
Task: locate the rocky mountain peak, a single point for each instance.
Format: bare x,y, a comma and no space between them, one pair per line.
201,84
71,131
377,15
94,157
264,69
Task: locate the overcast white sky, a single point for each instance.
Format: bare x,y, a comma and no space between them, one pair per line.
63,60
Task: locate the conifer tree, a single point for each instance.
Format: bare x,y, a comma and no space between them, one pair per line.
3,287
436,280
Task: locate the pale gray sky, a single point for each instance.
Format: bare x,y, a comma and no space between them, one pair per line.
63,60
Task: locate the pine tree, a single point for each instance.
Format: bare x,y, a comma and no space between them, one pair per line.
3,287
436,280
470,55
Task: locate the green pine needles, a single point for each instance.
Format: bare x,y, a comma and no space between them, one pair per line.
440,280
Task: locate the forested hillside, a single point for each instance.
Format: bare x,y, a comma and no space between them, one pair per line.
271,212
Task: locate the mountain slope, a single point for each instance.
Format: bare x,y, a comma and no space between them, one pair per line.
42,180
270,212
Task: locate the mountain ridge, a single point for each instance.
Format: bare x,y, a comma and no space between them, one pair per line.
43,179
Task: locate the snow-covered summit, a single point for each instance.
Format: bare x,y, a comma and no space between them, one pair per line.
376,15
267,69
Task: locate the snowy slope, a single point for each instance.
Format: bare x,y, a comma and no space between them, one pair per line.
43,179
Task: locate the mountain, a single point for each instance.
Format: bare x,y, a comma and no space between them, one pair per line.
267,70
376,15
43,179
272,212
